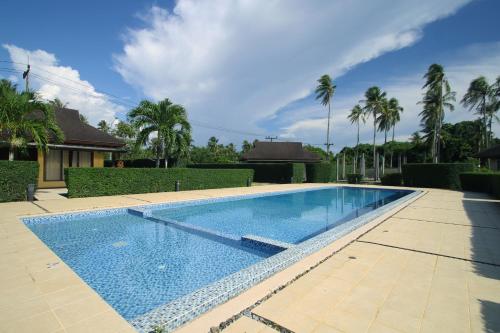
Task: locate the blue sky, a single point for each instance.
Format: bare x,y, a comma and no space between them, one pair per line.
249,67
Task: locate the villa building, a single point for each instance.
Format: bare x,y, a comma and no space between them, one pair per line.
83,146
493,155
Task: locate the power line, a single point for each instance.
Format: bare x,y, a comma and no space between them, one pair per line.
121,101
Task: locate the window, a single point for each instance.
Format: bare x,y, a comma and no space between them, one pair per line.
53,165
84,159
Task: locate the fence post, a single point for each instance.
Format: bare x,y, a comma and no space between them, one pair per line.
343,166
337,170
363,168
383,164
376,166
177,185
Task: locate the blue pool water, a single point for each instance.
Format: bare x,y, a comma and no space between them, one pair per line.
290,218
138,264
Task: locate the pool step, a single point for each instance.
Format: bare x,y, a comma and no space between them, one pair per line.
262,242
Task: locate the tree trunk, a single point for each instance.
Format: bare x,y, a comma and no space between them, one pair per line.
158,151
328,133
356,155
374,135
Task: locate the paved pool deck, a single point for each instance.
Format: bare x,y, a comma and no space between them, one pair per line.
431,265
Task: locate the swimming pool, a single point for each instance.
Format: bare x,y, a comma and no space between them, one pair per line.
167,263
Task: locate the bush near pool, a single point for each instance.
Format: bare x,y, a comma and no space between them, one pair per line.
93,182
354,178
263,172
392,179
320,172
437,175
486,182
15,177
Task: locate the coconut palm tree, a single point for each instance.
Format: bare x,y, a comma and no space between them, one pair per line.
437,97
395,111
324,91
25,117
476,98
57,103
104,126
384,119
375,103
168,121
357,114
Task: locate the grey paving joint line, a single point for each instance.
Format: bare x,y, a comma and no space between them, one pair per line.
427,252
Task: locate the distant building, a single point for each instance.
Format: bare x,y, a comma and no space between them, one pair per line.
279,152
83,146
493,154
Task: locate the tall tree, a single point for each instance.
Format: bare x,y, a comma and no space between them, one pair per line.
246,146
83,119
437,97
357,114
384,119
324,91
374,105
103,126
25,117
168,121
476,98
57,103
395,110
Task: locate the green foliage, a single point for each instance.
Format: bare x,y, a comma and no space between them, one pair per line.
91,182
354,178
15,177
215,153
263,172
392,179
438,175
320,172
487,182
25,117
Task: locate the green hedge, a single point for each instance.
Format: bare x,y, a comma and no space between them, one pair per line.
481,182
320,172
440,175
15,177
354,178
263,172
392,179
92,182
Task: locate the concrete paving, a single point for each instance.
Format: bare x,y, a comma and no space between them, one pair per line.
431,266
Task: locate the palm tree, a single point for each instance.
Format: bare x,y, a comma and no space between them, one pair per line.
384,119
57,103
375,103
83,119
168,121
104,126
476,98
24,117
437,97
395,110
325,91
357,114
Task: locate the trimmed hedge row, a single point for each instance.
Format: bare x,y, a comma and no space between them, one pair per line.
392,179
15,177
354,178
320,172
263,172
440,175
481,182
92,182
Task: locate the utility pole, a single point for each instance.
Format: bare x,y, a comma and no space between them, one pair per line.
26,76
271,138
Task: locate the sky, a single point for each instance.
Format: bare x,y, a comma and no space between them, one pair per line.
246,69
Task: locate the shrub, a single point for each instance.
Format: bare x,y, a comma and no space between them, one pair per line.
392,179
263,172
354,178
87,182
440,175
320,172
481,182
15,177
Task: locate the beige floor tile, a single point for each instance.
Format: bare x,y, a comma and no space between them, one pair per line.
106,322
44,322
71,313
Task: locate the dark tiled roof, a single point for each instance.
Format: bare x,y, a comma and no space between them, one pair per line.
280,151
492,152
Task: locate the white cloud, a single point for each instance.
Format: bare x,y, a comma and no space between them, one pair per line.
233,63
474,61
52,80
